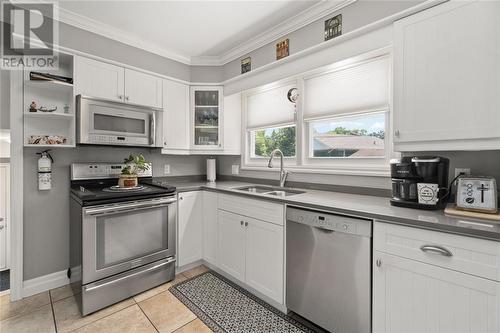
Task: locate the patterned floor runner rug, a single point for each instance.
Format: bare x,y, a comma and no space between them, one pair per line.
227,308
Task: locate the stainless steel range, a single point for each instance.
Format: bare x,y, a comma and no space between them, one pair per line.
122,241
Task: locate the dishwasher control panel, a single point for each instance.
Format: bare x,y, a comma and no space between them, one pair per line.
329,221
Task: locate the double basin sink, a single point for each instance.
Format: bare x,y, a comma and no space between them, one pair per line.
269,190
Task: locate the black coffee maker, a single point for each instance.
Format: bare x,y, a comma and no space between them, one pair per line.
420,182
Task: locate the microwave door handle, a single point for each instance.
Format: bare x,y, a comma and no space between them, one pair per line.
152,129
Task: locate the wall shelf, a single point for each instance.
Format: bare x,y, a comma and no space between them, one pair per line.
49,84
49,93
48,146
54,114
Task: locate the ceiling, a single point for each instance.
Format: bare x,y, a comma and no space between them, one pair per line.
193,32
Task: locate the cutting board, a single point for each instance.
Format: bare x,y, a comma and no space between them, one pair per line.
451,209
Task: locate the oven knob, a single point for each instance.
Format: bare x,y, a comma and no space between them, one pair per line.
469,200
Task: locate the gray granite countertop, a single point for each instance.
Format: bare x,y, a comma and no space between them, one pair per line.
373,207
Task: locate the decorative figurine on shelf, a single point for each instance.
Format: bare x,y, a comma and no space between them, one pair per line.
33,106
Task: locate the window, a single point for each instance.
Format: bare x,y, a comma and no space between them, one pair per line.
354,137
270,123
340,122
264,141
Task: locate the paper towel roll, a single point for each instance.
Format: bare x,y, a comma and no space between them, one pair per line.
211,169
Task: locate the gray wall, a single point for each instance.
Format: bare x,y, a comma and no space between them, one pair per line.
485,163
225,162
481,163
206,74
98,45
357,15
46,213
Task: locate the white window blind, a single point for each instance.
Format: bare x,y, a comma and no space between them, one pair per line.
270,108
360,87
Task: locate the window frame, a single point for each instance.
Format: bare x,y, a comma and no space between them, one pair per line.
249,162
303,163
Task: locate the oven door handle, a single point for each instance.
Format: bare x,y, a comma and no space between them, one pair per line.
148,270
128,207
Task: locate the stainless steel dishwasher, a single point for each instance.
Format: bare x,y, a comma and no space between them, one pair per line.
328,269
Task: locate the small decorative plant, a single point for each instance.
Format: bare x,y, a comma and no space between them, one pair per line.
134,165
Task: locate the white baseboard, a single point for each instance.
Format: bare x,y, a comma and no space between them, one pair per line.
187,267
44,283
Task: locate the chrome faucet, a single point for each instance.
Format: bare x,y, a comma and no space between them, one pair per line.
283,172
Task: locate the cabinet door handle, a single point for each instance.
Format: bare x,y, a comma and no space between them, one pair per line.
126,98
246,224
120,97
396,132
241,222
378,262
1,219
437,250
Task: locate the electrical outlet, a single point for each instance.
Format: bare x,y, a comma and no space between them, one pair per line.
166,169
235,169
465,171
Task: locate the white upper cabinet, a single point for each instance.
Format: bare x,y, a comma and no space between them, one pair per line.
232,124
176,124
143,89
98,79
447,78
206,117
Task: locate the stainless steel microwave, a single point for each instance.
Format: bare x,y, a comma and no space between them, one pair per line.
104,122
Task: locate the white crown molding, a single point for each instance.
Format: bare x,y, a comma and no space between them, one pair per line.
290,25
294,23
206,61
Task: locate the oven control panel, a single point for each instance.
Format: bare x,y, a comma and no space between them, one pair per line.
329,222
113,139
82,171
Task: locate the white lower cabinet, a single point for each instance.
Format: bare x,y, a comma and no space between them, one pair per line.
410,296
231,250
210,227
189,226
423,281
264,258
252,251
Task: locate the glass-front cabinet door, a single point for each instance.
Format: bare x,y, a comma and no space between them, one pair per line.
206,105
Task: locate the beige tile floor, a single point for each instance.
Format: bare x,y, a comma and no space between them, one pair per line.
155,310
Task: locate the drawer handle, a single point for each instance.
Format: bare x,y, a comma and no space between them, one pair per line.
436,249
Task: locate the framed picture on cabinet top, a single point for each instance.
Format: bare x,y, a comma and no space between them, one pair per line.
333,27
282,49
246,65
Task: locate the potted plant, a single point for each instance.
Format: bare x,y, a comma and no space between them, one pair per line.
134,165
